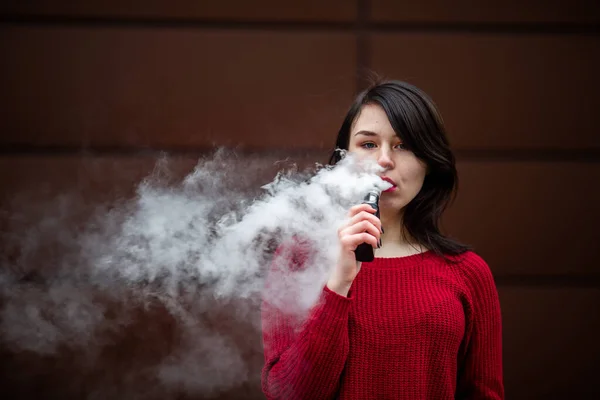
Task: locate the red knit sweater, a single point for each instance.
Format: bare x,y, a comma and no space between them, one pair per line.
413,328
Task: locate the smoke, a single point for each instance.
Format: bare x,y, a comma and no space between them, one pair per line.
172,278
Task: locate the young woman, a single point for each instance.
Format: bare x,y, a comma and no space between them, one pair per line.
421,321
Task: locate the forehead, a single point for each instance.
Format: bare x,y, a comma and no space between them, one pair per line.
372,118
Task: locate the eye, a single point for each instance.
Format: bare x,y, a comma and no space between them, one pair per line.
401,146
368,145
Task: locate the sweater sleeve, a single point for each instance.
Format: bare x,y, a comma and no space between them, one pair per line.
480,373
305,360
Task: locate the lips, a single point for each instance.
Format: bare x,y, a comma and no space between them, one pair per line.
391,182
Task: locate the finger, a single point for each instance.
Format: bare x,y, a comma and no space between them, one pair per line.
362,215
360,227
360,207
351,242
365,216
357,219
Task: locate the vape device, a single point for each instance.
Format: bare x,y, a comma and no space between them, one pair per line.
364,252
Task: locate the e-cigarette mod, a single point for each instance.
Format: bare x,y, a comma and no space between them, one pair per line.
364,252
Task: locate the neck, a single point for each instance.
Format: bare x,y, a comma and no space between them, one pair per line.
392,225
393,242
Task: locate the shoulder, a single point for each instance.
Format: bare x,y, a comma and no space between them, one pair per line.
474,271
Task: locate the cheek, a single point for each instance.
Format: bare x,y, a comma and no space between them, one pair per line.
414,171
421,172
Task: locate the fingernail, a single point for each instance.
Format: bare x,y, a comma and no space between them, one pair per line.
382,231
379,244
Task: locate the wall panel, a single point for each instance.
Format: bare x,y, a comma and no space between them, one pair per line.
550,342
502,91
88,87
496,11
183,88
261,10
529,218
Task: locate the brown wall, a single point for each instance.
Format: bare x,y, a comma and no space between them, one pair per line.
86,85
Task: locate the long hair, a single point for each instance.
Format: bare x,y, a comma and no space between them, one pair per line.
417,122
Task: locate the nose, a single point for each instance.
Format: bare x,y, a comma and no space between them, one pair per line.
384,159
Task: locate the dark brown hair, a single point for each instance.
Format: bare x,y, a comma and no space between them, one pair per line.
417,122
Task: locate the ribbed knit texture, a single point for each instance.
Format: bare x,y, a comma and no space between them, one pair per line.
413,328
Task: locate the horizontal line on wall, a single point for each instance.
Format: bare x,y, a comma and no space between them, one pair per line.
51,150
475,154
548,281
529,154
334,26
176,23
510,28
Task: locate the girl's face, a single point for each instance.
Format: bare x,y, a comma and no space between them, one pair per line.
372,136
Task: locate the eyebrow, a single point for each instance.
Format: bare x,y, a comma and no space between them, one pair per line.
366,133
